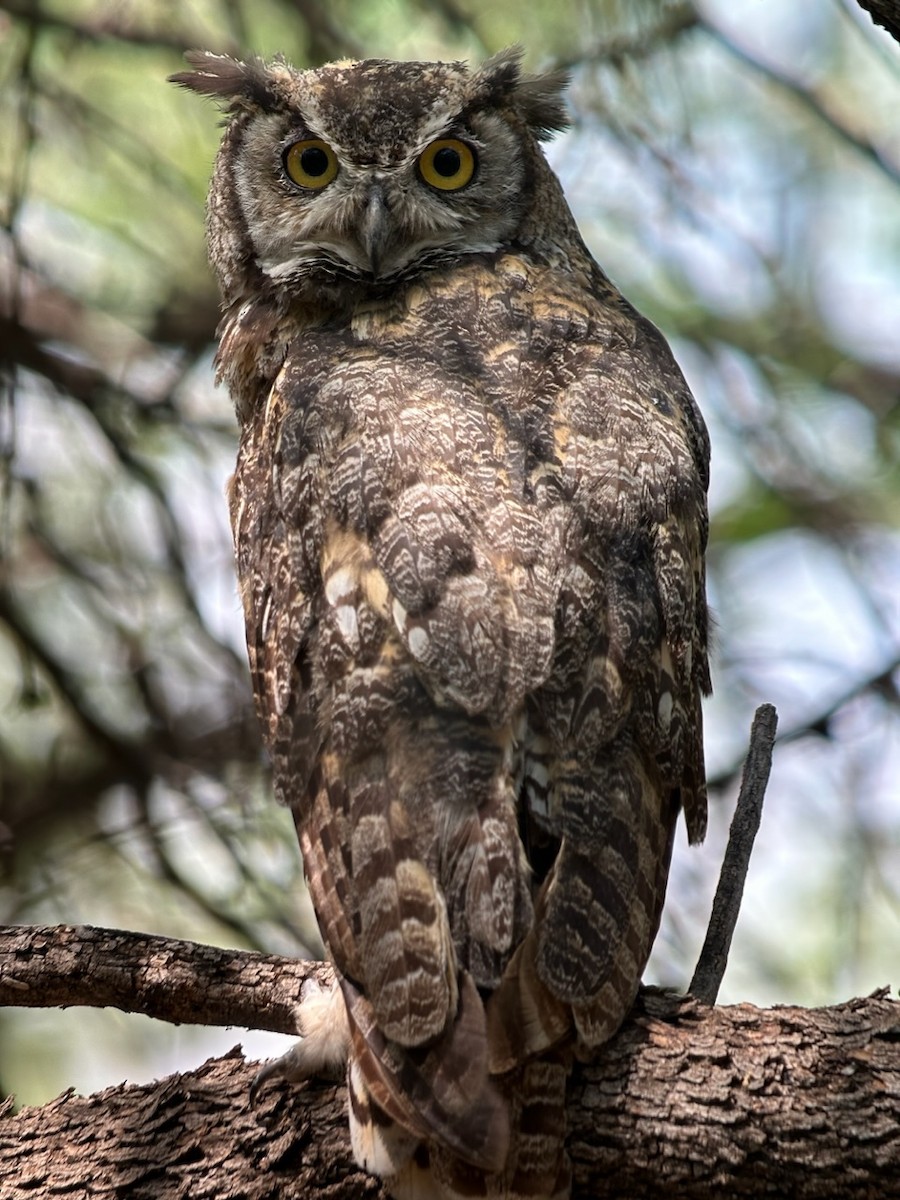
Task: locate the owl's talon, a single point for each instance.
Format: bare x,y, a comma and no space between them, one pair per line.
272,1070
323,1047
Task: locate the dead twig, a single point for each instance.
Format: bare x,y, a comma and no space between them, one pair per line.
744,826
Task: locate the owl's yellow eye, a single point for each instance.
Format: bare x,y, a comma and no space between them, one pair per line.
311,163
447,164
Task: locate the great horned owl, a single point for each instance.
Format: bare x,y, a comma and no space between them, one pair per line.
469,516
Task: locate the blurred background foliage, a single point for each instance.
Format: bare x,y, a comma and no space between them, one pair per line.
735,166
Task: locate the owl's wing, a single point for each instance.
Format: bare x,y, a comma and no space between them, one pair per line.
351,571
277,595
615,746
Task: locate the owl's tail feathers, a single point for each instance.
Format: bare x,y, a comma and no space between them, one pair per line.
605,896
524,1018
438,1094
595,921
536,1167
404,945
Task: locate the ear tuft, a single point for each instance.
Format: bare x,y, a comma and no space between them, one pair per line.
495,79
233,83
540,98
537,97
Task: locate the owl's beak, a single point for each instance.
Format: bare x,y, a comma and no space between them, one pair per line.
375,228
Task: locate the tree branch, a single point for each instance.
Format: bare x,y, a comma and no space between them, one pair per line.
885,13
103,29
47,966
811,1094
744,828
685,1102
815,102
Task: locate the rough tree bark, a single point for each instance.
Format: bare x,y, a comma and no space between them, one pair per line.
688,1101
885,13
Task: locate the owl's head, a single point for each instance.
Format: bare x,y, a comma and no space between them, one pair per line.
369,172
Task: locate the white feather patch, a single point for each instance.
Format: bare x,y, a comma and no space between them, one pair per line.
379,1149
345,615
340,586
322,1019
418,642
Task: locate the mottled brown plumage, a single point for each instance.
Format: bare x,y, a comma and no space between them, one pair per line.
469,516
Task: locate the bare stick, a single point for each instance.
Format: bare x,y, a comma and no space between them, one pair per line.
45,966
744,826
